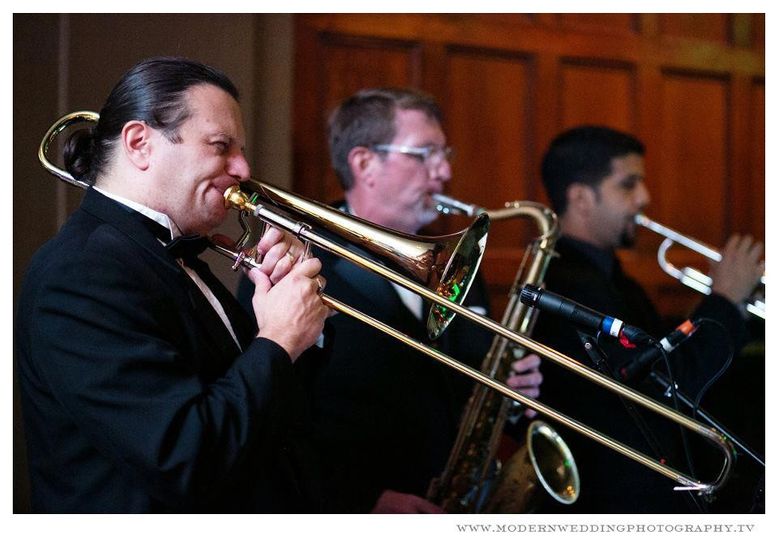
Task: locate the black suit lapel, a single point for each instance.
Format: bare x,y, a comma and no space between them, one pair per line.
240,324
129,222
377,292
217,346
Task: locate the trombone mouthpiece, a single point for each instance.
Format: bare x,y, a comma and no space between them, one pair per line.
235,198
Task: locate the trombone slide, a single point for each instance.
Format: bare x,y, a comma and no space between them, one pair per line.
271,213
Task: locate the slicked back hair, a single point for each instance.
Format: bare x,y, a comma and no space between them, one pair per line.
152,91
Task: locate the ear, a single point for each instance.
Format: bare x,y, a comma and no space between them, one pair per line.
580,197
362,162
136,143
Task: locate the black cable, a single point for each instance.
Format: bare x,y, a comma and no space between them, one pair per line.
722,369
640,422
684,439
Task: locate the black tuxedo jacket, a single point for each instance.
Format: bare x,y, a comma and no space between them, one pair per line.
135,396
609,481
385,415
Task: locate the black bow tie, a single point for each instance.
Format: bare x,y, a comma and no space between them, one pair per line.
182,247
187,246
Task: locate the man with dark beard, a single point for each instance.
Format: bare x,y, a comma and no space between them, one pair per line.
594,179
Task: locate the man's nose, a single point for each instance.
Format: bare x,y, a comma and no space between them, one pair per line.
441,172
238,167
642,196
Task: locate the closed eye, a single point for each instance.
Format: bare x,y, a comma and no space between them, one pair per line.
221,146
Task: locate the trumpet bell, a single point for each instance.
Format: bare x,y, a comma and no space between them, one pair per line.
445,264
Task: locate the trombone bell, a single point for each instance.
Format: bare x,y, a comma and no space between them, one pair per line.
445,264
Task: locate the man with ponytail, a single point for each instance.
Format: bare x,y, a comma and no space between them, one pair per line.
145,386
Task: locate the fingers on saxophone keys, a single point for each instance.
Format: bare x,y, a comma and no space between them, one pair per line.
526,377
529,362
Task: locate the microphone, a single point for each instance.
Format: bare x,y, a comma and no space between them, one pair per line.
639,367
581,315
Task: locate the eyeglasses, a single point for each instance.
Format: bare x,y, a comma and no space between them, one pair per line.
429,155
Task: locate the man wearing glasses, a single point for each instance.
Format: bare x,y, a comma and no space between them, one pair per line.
386,416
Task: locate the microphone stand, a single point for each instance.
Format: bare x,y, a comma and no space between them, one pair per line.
600,362
599,359
661,381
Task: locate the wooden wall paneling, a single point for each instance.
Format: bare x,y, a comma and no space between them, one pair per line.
641,261
648,24
675,80
756,159
648,128
742,33
498,18
688,175
705,26
597,93
601,23
489,121
341,65
357,62
694,154
757,29
434,73
547,114
739,188
308,124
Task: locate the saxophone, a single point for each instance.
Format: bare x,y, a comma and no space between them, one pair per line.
473,480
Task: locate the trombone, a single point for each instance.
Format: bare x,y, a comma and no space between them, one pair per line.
420,256
691,277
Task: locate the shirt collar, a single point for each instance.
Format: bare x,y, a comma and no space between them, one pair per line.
150,213
604,259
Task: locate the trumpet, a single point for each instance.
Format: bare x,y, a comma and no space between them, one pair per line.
691,277
418,264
